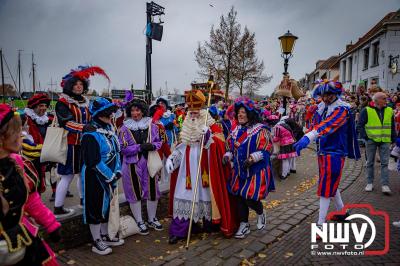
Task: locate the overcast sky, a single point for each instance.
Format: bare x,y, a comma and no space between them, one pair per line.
64,34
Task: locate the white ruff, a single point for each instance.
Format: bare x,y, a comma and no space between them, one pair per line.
136,125
192,130
40,120
71,100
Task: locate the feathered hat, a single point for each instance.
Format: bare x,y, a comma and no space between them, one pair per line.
102,105
37,99
6,113
327,87
245,102
82,73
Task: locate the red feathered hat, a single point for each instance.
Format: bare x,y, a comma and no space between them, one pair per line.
37,99
83,73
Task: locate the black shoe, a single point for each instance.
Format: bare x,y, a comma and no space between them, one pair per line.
101,248
283,177
116,241
69,194
174,239
293,171
143,230
61,211
340,217
155,224
53,197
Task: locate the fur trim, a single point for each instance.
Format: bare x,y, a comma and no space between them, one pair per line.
136,125
40,120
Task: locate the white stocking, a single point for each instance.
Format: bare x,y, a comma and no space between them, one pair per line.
323,209
285,167
338,201
95,231
151,209
104,228
62,189
293,163
136,209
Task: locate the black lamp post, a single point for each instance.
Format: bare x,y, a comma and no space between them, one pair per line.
153,31
287,41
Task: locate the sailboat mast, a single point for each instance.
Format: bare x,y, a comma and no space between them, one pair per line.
2,74
33,76
19,72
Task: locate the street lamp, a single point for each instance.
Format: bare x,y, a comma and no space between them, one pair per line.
287,41
287,44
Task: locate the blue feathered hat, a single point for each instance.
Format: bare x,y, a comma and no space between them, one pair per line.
327,87
247,103
101,104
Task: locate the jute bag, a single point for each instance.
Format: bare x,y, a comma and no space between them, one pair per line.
55,144
127,226
113,218
154,162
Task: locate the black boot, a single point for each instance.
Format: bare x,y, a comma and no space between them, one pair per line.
60,210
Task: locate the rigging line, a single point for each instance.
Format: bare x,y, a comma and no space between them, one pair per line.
9,71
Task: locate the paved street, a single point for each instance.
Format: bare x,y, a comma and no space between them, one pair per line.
286,240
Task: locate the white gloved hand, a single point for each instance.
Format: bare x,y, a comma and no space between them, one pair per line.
169,166
204,130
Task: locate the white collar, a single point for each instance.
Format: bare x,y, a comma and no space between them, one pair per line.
104,131
72,100
41,120
167,114
338,103
135,125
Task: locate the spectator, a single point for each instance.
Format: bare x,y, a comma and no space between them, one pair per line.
376,126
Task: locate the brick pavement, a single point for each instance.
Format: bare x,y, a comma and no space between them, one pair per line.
294,248
214,249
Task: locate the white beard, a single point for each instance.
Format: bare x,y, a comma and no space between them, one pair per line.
192,128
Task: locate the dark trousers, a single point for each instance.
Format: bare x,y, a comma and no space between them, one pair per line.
244,205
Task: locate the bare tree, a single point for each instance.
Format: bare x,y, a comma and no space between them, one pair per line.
231,55
248,70
217,54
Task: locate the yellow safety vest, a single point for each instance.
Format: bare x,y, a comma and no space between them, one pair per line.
375,129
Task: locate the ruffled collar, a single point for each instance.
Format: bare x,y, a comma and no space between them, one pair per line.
40,120
136,125
167,114
69,99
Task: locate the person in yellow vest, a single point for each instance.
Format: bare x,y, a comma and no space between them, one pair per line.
377,128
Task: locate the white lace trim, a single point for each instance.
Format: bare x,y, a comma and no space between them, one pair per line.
41,120
182,209
71,100
136,125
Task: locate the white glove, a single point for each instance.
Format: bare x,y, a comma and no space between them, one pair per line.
204,130
169,165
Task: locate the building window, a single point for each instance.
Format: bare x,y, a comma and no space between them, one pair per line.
343,71
366,58
375,54
350,69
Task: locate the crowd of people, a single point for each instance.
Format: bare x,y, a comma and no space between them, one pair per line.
234,151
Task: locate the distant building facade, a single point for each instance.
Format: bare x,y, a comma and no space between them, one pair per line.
375,56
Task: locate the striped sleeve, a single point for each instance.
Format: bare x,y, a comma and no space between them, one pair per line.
74,127
332,123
